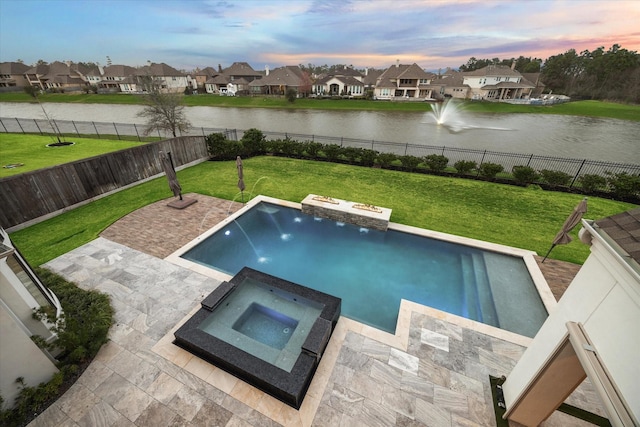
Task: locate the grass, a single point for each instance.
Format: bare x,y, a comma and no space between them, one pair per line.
509,215
33,153
579,108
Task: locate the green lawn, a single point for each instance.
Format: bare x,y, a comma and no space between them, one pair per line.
33,153
579,108
510,215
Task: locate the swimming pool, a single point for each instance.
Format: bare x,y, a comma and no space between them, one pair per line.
371,271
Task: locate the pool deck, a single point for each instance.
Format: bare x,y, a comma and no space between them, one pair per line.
433,372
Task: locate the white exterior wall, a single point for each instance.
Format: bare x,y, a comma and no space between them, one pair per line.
477,82
605,297
14,295
176,83
19,357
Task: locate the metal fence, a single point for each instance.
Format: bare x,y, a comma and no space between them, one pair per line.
571,166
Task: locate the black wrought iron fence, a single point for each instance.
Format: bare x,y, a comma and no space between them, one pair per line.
571,166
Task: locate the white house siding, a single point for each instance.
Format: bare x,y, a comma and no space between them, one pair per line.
20,357
605,297
175,83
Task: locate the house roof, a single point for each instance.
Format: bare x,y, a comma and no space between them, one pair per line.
241,69
345,71
41,69
219,79
624,229
493,71
451,79
402,71
161,69
207,71
13,68
290,75
119,71
371,77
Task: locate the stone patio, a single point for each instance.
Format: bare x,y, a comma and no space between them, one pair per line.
433,372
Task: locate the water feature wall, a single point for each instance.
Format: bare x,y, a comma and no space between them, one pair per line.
359,214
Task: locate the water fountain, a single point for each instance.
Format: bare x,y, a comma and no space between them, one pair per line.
448,114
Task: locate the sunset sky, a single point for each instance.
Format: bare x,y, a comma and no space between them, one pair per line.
363,33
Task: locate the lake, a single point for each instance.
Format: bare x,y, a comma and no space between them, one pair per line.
551,135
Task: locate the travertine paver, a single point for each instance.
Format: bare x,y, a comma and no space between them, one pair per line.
440,378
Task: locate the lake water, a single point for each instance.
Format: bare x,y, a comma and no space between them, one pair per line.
552,135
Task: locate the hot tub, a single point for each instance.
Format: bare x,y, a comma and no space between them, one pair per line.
266,331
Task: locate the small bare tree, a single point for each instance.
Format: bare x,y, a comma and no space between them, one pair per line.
33,91
164,111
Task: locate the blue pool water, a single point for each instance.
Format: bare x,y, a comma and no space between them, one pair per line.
266,326
373,270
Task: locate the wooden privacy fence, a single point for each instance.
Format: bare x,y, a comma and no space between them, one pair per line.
31,195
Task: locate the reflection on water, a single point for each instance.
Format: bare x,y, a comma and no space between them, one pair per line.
552,135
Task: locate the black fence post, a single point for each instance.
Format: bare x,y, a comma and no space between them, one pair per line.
38,126
577,173
481,162
75,127
3,126
116,128
95,127
530,158
137,134
20,125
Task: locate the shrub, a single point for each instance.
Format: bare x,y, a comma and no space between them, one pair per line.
410,163
465,166
385,159
291,148
368,157
253,141
312,148
291,95
273,146
524,174
436,162
332,151
352,153
555,177
624,185
86,321
490,170
220,148
592,182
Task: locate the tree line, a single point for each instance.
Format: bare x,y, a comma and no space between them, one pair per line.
604,75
